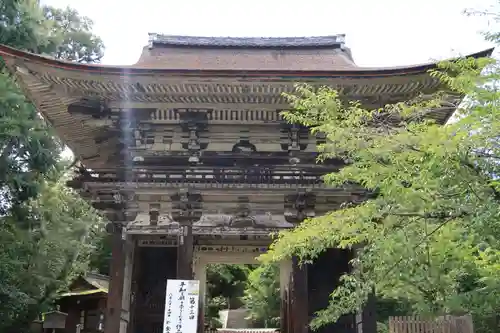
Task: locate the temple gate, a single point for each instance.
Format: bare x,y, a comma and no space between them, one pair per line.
186,154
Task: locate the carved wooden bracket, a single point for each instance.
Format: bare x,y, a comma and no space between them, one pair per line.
186,206
119,207
119,219
122,217
242,218
95,108
114,200
193,122
294,137
154,213
299,206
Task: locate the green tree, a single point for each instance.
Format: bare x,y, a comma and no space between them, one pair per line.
28,149
38,260
430,228
225,287
262,296
23,25
46,230
71,36
100,259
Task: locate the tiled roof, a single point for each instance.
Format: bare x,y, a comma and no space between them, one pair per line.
170,57
248,42
247,53
97,280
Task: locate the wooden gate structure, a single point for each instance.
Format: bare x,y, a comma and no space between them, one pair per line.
186,152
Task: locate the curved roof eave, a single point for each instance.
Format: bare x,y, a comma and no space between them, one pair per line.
6,51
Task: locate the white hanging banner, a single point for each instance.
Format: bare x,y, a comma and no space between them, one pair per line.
181,306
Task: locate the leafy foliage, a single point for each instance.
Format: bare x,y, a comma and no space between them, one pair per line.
46,230
430,228
100,259
71,36
35,262
29,151
23,25
225,287
262,296
255,288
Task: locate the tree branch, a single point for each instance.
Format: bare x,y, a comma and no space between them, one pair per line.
422,241
433,215
480,173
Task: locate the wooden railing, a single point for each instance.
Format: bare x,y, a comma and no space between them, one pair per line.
446,324
218,175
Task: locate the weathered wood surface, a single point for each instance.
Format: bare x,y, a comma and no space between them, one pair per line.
185,253
116,278
446,324
299,297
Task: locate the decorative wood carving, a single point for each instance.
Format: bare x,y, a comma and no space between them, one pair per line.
299,206
154,212
120,217
244,147
94,107
242,217
294,137
193,122
186,206
119,207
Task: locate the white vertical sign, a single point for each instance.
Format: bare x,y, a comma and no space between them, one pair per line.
181,306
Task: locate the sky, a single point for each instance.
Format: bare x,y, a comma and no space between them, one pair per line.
379,32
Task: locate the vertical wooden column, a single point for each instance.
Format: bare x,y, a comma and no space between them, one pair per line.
368,316
186,209
299,298
200,274
285,287
114,303
129,245
136,271
185,252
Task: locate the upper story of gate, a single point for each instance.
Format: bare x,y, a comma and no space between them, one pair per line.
203,99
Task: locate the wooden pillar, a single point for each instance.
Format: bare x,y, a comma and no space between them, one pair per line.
134,288
367,323
199,271
299,298
284,311
114,303
185,252
129,250
285,287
